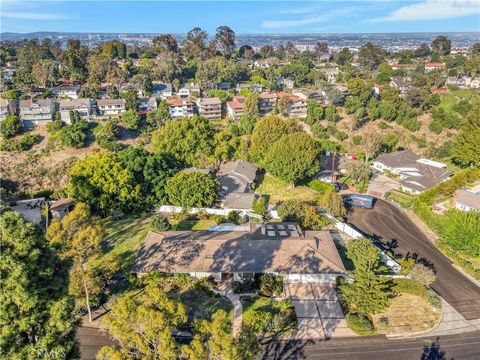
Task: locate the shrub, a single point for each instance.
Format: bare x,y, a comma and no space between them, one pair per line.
10,126
55,125
410,287
233,217
160,223
270,285
25,143
340,135
357,139
362,325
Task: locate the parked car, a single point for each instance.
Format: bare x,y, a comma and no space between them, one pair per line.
365,201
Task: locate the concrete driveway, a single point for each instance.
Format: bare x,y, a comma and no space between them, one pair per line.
380,184
395,231
318,311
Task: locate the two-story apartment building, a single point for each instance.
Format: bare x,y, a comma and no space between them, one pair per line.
235,107
36,112
84,107
296,106
211,108
266,103
180,108
110,107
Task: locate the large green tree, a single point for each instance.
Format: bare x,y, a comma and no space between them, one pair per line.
35,311
293,157
370,56
78,237
194,44
225,40
189,140
104,184
369,293
268,130
465,147
442,44
191,189
143,324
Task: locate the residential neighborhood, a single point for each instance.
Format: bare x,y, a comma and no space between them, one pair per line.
264,189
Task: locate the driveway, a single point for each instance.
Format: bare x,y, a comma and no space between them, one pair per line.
394,230
319,314
380,184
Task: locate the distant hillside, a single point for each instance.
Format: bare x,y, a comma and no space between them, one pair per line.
387,40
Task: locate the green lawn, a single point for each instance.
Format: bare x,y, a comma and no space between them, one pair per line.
319,186
405,200
124,238
453,96
184,225
278,190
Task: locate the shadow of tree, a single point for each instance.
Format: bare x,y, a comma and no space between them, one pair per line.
433,352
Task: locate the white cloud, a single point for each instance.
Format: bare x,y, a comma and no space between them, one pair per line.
302,10
434,10
33,16
310,20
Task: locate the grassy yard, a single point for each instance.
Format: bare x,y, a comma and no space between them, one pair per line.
405,200
184,225
278,190
453,96
124,238
319,186
406,314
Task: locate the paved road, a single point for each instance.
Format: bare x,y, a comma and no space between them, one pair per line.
395,230
458,347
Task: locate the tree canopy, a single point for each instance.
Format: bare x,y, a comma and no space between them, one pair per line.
191,189
465,147
293,157
36,312
189,140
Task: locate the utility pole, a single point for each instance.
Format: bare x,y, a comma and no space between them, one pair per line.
333,167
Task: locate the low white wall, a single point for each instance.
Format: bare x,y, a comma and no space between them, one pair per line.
311,278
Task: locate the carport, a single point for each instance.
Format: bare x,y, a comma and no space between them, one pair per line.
318,310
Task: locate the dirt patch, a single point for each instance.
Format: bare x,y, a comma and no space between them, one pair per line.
407,314
45,166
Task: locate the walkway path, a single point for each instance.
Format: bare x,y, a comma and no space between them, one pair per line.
227,291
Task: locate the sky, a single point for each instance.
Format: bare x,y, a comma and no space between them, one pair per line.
244,17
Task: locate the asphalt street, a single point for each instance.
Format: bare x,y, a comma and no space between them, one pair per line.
457,347
390,226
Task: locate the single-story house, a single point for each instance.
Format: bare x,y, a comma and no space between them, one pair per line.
161,90
8,107
187,90
401,83
66,90
466,200
434,66
267,248
147,104
416,174
236,178
61,207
